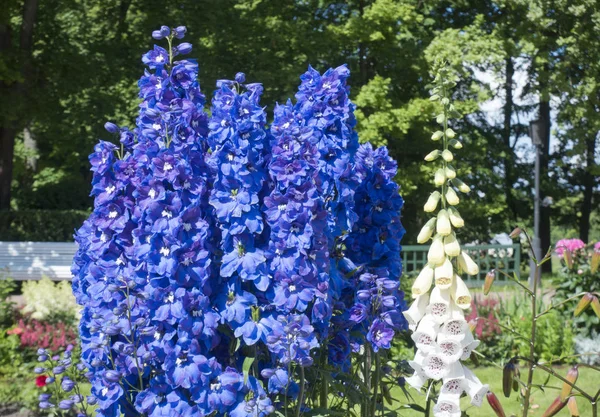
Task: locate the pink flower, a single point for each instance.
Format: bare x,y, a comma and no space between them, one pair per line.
572,245
40,380
597,247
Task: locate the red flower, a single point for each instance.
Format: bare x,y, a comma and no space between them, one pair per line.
40,381
16,330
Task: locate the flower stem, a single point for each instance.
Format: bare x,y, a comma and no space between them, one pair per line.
301,394
376,384
532,362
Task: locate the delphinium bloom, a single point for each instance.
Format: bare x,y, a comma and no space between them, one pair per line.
440,332
221,252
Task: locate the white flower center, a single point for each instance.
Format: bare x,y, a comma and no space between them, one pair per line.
160,58
282,207
187,227
152,193
286,125
112,214
110,189
165,251
167,166
167,213
156,126
292,288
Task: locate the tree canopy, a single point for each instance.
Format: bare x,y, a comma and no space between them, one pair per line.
68,66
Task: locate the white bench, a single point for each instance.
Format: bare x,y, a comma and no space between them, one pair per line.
33,260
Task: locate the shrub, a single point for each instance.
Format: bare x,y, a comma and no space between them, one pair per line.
49,301
40,225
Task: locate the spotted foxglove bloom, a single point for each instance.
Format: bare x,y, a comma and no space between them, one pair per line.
436,317
225,254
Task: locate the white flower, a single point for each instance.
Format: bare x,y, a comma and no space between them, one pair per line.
432,202
444,274
451,245
447,407
427,231
435,367
455,218
451,197
416,311
460,293
443,223
426,334
436,254
466,264
439,305
450,350
475,388
423,282
416,381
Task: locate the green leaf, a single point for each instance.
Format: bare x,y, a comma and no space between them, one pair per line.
246,367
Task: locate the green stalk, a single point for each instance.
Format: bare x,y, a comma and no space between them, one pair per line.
301,394
531,345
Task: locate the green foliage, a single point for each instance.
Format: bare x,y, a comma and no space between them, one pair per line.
40,225
554,334
7,307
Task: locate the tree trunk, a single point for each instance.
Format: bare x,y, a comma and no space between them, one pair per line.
545,235
506,135
9,128
588,190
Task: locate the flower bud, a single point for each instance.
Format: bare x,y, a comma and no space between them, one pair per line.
595,262
440,118
495,404
450,133
460,293
439,178
450,172
451,245
555,407
451,197
572,407
455,144
466,264
568,258
180,31
572,376
432,202
240,77
584,302
427,231
184,48
165,31
156,34
443,275
489,280
432,156
437,135
508,374
436,255
462,187
111,127
443,223
455,218
423,282
596,306
515,233
65,404
447,155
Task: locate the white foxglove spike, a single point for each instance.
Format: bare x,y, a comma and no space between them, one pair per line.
451,350
439,305
454,329
436,254
417,310
425,335
427,231
423,282
444,274
460,293
416,381
466,264
435,367
432,202
442,225
446,407
453,387
451,245
475,388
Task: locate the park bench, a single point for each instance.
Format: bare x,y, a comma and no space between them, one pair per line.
34,260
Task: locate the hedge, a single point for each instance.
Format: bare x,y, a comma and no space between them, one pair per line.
40,225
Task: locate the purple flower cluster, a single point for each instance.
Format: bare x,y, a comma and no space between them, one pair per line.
222,252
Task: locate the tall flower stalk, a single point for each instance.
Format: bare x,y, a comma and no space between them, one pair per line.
440,332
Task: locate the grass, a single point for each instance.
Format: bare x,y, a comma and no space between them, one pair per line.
588,381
